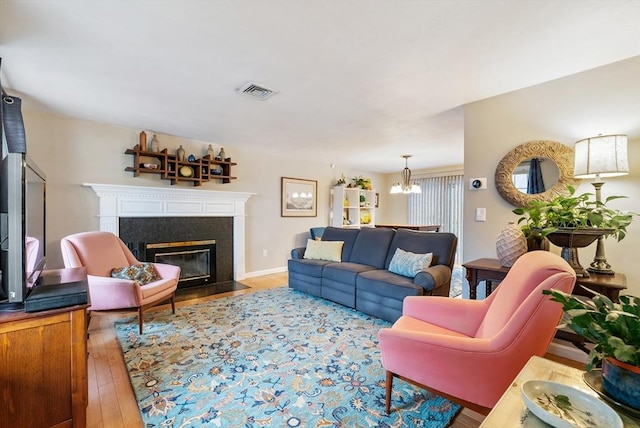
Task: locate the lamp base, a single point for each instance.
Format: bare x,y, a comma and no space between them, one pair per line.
599,263
602,268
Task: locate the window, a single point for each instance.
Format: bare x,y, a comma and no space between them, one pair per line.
439,203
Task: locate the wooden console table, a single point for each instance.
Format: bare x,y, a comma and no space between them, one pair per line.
509,411
490,270
44,364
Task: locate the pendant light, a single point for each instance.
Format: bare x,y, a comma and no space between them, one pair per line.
405,186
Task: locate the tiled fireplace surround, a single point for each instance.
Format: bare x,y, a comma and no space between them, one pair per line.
120,201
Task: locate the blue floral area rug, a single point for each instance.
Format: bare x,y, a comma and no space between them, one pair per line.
274,358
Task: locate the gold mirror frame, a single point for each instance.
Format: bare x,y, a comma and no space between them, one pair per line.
557,152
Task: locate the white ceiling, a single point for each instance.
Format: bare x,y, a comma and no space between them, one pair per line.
361,82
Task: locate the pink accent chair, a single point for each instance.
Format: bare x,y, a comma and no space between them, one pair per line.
99,253
31,245
469,351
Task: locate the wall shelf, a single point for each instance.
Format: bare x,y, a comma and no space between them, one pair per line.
170,168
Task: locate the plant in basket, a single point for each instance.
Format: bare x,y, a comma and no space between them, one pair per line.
614,328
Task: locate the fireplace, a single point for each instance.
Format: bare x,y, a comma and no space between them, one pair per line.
177,214
197,260
201,246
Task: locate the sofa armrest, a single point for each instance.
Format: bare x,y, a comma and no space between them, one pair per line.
298,253
433,277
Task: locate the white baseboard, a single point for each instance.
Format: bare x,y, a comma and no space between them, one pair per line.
265,272
561,349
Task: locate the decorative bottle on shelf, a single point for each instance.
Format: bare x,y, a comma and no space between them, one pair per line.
221,154
211,152
155,144
511,244
143,141
180,154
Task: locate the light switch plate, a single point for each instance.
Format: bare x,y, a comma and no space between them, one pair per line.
481,214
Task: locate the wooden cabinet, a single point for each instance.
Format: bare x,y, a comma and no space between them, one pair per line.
43,368
353,207
170,168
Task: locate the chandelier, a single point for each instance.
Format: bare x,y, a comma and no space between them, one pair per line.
405,186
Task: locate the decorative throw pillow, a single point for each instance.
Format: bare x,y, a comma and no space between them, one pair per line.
143,273
324,250
406,263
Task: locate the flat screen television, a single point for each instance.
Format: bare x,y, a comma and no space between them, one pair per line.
22,227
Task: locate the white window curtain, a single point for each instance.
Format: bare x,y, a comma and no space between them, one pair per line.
439,203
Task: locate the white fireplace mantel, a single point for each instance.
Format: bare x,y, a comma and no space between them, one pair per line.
138,201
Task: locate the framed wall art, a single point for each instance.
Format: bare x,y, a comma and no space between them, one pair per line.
299,197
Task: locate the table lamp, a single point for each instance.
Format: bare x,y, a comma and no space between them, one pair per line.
599,157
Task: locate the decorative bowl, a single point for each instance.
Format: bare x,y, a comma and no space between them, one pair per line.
186,171
562,406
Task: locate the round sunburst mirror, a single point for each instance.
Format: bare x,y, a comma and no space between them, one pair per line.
561,173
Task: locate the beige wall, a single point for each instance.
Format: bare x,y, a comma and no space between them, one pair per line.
605,100
72,152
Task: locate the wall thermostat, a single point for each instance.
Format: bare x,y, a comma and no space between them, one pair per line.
477,183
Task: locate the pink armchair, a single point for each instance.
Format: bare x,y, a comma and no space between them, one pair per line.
99,253
471,350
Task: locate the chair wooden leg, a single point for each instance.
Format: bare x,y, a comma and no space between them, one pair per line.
140,319
173,303
389,385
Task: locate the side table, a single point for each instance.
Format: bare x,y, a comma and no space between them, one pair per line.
509,411
490,270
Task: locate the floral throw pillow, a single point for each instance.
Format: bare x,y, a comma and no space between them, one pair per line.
143,273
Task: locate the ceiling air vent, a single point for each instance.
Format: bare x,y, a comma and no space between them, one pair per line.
257,91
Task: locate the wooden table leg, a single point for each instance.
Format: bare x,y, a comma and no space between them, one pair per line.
472,278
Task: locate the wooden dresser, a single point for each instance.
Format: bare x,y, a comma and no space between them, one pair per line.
43,367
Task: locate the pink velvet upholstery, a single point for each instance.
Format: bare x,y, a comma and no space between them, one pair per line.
32,245
471,350
99,253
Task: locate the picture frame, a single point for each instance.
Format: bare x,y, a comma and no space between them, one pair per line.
377,199
299,197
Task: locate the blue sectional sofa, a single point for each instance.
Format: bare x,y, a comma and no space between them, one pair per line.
362,280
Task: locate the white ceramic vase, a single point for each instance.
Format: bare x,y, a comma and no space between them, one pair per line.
511,244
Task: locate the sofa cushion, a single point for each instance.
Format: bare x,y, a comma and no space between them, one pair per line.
311,268
348,236
409,264
344,272
324,250
442,245
388,284
371,247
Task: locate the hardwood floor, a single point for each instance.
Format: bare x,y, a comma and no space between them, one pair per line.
111,400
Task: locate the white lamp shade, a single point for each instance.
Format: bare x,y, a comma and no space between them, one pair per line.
601,156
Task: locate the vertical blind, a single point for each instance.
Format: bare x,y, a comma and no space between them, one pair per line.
439,203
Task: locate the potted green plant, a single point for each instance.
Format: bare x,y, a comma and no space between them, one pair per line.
361,182
534,228
573,221
614,328
573,212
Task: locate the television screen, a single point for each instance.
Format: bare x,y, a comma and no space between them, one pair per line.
34,223
22,226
